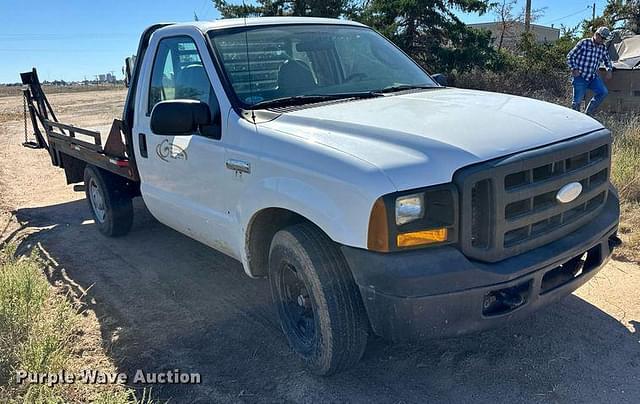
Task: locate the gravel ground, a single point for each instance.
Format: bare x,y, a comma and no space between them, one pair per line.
163,301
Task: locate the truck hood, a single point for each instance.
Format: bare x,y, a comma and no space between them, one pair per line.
422,138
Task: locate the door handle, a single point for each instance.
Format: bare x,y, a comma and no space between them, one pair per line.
239,165
142,140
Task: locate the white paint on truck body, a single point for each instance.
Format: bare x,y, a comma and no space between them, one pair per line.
328,163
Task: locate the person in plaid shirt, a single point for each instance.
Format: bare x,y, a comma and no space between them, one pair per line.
584,61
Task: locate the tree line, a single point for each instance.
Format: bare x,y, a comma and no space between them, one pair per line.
431,32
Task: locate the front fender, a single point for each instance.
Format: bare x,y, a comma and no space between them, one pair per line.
342,214
339,209
332,189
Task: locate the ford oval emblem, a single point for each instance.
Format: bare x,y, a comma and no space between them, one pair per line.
569,192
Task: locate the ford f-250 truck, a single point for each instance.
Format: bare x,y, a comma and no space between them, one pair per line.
374,199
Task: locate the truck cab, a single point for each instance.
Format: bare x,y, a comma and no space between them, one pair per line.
375,200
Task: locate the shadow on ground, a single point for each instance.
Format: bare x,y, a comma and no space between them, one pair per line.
167,302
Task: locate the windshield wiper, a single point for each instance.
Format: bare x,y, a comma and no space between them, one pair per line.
310,99
403,87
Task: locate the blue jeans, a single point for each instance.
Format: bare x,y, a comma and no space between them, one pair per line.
580,87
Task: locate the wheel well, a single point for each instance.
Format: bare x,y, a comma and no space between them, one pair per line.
121,184
264,225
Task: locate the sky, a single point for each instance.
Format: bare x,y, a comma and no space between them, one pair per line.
556,12
74,39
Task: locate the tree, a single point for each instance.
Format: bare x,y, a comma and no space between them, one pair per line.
618,14
430,32
504,14
264,8
508,22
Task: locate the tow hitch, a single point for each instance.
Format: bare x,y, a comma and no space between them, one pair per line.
614,241
505,300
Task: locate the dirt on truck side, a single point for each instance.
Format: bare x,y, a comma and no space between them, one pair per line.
163,301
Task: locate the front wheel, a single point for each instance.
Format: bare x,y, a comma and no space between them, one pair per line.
109,202
317,300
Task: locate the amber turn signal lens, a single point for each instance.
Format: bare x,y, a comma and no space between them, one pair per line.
424,237
378,237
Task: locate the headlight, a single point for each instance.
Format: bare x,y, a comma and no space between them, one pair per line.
414,219
409,208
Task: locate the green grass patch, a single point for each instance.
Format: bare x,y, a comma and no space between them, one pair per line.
37,331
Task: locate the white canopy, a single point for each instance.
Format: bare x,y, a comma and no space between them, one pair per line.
628,53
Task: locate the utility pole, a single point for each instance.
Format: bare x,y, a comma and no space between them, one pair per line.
527,17
593,15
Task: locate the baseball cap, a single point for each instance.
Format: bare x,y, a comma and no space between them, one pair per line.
603,32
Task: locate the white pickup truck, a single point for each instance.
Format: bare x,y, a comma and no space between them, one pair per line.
376,200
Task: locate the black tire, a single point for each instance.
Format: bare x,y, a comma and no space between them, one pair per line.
116,202
328,327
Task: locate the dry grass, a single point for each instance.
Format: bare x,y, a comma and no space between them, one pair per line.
628,231
11,91
551,88
626,155
626,177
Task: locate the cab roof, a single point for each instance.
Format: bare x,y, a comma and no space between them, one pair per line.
205,26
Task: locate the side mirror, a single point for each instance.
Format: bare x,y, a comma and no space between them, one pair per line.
441,79
179,117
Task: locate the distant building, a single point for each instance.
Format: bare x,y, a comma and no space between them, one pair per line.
514,31
106,78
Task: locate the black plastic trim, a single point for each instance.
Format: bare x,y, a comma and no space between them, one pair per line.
438,292
445,269
496,171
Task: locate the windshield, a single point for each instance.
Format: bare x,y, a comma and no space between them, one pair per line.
270,63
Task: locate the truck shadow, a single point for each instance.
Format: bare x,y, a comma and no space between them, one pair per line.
166,302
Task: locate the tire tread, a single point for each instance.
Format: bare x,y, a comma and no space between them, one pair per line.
349,322
119,203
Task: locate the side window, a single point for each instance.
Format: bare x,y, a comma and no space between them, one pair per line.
178,73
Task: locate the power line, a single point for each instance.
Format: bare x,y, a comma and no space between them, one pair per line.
570,15
13,40
57,36
62,50
202,7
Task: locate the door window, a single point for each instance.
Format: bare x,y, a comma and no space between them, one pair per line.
178,73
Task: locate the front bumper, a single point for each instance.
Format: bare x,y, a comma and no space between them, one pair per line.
438,292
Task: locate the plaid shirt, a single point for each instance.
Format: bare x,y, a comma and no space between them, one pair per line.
586,57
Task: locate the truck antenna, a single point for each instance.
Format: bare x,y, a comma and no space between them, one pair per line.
246,43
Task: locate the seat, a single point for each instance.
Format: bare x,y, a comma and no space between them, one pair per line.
295,78
193,84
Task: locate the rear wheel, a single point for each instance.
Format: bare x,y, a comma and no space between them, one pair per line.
109,202
318,302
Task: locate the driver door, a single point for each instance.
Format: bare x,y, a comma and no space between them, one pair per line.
182,176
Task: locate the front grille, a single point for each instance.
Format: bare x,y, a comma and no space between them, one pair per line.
509,205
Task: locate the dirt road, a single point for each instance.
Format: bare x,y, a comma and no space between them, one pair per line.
164,302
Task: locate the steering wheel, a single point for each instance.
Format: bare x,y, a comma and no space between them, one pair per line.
354,76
